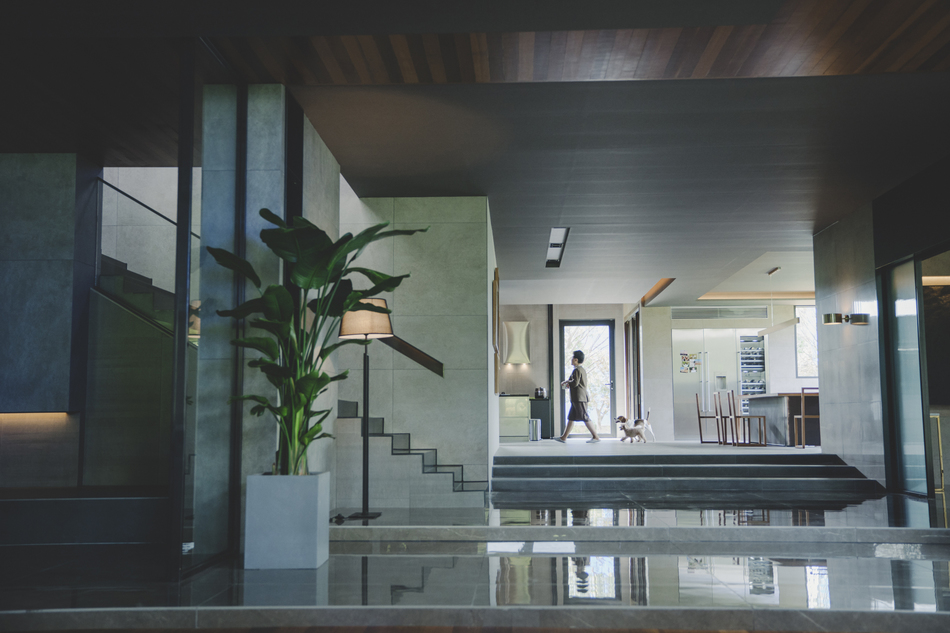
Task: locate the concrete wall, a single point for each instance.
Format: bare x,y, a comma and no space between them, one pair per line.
37,274
443,309
656,349
322,186
39,450
849,356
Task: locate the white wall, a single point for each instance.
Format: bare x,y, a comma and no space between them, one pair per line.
656,349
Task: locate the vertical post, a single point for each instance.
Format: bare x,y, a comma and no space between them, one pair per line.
186,146
365,424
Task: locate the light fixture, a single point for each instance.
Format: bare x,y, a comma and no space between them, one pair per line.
517,332
556,241
836,318
367,325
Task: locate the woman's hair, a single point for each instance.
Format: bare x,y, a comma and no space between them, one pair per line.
579,355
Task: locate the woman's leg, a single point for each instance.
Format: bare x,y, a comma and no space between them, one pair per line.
590,427
567,429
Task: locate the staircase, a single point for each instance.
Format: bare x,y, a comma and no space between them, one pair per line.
782,476
136,291
400,444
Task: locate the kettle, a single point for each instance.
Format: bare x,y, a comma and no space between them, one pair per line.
540,392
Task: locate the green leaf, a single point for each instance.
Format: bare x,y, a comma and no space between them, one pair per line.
279,329
247,308
278,304
235,263
353,304
374,276
329,349
338,305
266,346
273,218
275,371
311,384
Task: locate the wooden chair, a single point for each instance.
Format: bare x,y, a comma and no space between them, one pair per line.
701,417
799,420
726,421
744,423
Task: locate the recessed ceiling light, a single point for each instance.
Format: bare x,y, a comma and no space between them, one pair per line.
556,243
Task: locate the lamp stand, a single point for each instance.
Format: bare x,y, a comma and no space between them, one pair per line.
365,515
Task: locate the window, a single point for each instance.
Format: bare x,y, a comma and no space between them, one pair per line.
806,342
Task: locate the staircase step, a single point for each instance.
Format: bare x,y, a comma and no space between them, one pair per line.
681,484
726,458
760,471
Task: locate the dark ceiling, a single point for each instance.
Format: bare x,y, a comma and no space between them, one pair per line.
678,138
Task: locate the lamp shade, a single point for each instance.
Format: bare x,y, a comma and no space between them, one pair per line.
859,319
832,318
364,324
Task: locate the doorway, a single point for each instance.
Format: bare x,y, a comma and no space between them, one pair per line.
596,340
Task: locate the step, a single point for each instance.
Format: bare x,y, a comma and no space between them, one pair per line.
726,458
680,484
759,471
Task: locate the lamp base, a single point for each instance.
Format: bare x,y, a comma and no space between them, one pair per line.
363,516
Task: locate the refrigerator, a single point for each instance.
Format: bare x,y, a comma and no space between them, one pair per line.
710,360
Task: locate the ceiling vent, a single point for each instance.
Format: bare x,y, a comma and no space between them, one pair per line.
736,312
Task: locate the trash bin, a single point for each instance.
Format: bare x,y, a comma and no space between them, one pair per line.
534,430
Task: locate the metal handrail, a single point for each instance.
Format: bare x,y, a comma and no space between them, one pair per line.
142,204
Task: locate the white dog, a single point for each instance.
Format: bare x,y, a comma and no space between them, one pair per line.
635,431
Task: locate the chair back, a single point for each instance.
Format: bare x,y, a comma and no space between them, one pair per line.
808,391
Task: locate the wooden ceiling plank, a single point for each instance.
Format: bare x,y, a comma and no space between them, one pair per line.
689,50
496,57
753,35
525,56
463,52
374,59
355,53
434,57
309,57
941,60
711,52
388,55
275,69
420,59
870,60
450,58
604,45
856,43
509,56
585,64
903,63
292,54
656,54
479,43
342,56
404,58
542,49
820,21
328,59
618,53
762,60
635,52
829,45
937,48
572,55
234,57
556,55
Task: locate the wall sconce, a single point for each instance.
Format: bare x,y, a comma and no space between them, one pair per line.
517,332
836,318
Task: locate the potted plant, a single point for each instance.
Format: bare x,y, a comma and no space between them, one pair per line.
298,325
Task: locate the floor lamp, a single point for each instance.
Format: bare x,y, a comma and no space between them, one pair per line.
366,325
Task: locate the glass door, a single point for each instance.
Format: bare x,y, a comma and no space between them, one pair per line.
596,340
906,390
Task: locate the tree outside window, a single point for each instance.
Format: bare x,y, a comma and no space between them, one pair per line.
806,342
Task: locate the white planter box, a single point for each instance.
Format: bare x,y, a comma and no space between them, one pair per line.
287,524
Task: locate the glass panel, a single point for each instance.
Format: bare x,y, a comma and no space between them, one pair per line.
595,342
935,272
905,361
806,341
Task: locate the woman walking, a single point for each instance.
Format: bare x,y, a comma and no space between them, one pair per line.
578,386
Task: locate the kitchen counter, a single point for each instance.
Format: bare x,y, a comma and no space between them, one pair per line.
779,410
